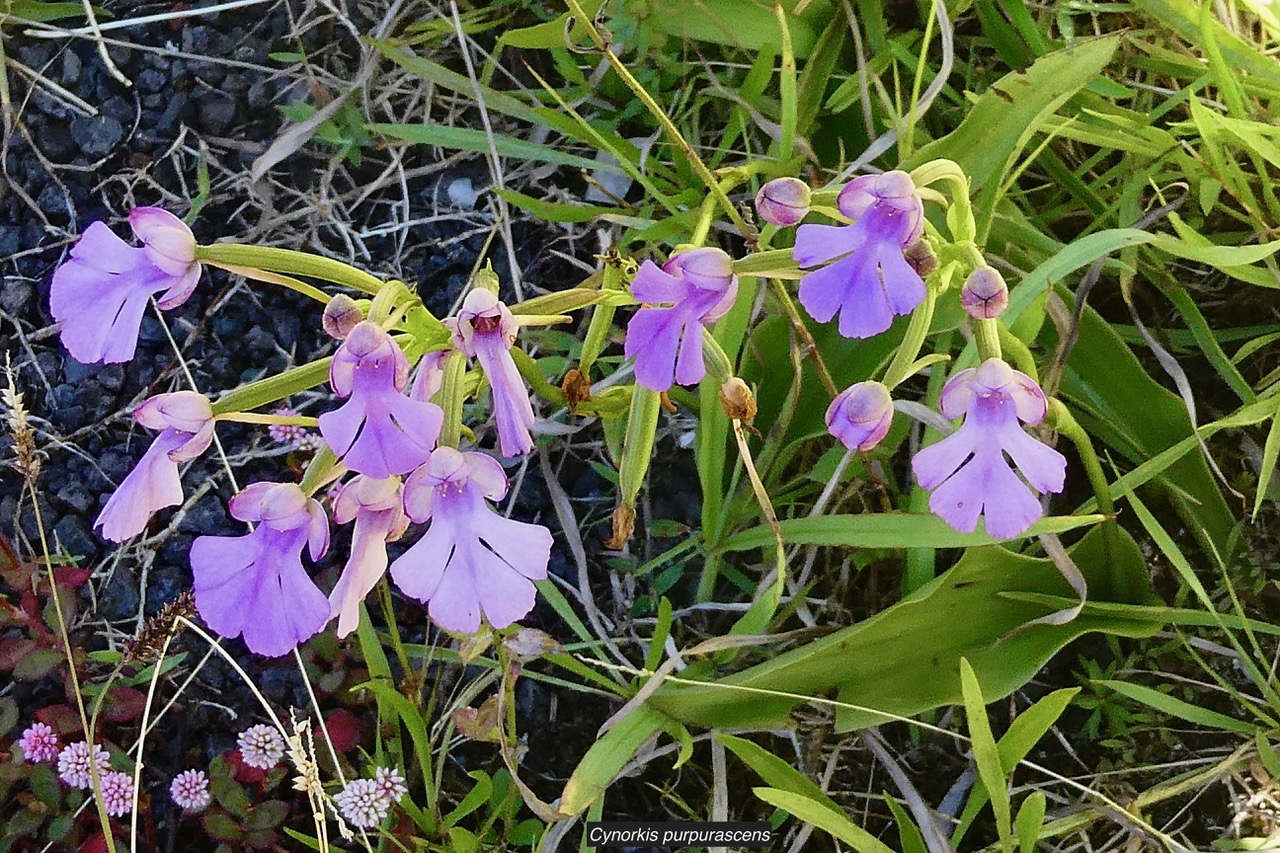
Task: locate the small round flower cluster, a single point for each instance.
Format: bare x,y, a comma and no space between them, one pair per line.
39,744
190,790
366,802
73,764
261,746
293,435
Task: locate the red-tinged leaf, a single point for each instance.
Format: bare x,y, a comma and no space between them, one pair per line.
267,815
37,664
243,773
70,577
95,844
482,724
62,718
345,730
123,704
13,651
221,826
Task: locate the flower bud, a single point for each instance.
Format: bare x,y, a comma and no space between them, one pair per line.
860,416
783,201
340,316
984,295
738,401
169,242
706,268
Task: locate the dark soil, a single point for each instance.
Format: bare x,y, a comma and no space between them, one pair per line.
64,170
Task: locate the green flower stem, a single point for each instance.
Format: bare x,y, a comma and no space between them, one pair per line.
904,360
289,262
273,388
293,284
717,360
537,382
452,395
774,263
987,335
585,21
281,420
637,446
1061,419
1018,351
389,613
601,321
323,469
703,225
806,339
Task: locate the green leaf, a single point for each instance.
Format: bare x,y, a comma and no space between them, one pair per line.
811,812
42,11
779,774
268,815
470,139
1030,821
901,662
607,756
475,798
985,753
889,530
1010,112
1175,707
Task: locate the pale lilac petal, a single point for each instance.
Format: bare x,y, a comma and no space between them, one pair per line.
653,337
455,603
367,563
246,504
1044,467
1027,396
1008,505
511,407
959,500
651,284
958,393
317,530
823,292
817,244
417,572
504,595
903,284
690,368
292,611
180,290
935,463
219,565
152,485
525,548
169,243
487,475
866,311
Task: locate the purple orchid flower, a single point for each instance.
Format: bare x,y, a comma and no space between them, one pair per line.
860,416
99,294
471,562
379,431
376,507
186,423
485,329
255,584
967,469
872,280
666,343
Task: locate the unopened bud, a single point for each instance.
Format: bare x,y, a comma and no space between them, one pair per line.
624,524
920,257
577,387
738,401
341,315
984,295
860,416
784,201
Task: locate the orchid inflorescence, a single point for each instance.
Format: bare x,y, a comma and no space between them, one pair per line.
402,463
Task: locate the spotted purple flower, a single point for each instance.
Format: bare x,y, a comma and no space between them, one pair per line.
190,790
186,423
376,508
261,746
363,803
99,294
967,470
255,584
485,329
39,743
391,782
73,764
871,281
471,562
698,286
117,793
860,416
379,431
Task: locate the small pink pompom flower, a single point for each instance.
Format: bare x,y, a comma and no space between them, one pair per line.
190,790
117,793
261,746
363,803
39,743
73,764
391,783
